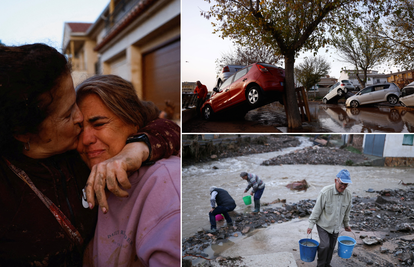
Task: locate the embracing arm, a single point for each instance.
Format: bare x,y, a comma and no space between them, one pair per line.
164,137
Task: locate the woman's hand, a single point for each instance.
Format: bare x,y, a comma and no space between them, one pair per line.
112,174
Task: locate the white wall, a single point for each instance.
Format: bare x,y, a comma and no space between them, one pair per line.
394,148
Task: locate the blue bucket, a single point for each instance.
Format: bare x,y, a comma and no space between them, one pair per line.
345,251
308,253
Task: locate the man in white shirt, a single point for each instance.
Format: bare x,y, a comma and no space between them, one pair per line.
331,210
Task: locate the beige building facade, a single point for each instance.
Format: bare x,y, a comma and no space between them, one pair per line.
138,40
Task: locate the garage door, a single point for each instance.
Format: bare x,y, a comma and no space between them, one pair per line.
119,67
162,77
374,144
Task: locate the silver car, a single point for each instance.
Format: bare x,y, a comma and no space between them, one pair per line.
375,94
407,96
348,85
226,72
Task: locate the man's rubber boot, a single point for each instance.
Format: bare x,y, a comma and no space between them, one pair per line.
212,231
257,205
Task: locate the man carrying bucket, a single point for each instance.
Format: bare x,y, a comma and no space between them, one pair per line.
225,203
331,210
257,186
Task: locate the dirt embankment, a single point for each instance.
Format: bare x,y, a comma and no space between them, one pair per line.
318,155
212,150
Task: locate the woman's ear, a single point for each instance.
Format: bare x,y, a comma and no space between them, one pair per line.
24,138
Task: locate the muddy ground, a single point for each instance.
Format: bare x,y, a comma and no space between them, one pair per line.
389,215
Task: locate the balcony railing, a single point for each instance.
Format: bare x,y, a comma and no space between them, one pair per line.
122,8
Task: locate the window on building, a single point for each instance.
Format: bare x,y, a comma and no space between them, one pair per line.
408,139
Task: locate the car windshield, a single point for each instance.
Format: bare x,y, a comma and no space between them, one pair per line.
226,82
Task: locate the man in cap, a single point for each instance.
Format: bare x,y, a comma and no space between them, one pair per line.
257,185
331,210
225,203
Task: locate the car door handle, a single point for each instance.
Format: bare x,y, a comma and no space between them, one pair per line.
227,90
244,79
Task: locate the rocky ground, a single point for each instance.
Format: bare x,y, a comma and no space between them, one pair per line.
389,211
318,155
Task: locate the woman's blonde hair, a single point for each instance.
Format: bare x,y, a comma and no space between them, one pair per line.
120,97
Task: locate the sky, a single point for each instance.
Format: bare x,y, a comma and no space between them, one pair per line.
200,47
32,21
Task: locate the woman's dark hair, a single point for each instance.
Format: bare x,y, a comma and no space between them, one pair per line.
29,77
120,97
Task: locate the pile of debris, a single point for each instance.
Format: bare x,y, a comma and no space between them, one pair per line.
317,155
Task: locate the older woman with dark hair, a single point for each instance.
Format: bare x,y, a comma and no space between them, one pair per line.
144,229
45,220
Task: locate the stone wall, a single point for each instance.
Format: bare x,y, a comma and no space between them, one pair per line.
399,162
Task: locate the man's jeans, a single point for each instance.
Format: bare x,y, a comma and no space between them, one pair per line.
220,210
258,194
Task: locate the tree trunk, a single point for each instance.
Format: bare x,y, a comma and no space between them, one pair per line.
293,116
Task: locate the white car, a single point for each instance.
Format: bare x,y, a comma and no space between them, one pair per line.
375,94
407,96
226,72
338,89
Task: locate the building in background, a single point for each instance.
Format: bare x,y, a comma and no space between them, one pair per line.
402,78
373,77
138,40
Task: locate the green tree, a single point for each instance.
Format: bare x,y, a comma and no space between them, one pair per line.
359,47
311,70
289,27
398,29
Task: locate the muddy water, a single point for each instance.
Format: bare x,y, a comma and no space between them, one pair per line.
339,119
197,179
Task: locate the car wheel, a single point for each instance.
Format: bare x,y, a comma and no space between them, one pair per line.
394,115
324,100
392,99
253,96
340,92
402,104
354,104
354,111
208,113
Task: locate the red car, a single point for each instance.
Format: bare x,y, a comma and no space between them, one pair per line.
251,87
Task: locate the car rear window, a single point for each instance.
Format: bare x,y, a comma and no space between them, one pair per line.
268,65
345,81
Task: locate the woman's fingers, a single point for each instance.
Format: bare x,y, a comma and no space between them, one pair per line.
89,188
99,187
111,175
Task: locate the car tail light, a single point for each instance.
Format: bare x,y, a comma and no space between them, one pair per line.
342,84
226,69
262,68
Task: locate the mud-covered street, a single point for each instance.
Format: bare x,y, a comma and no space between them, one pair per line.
336,118
284,207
